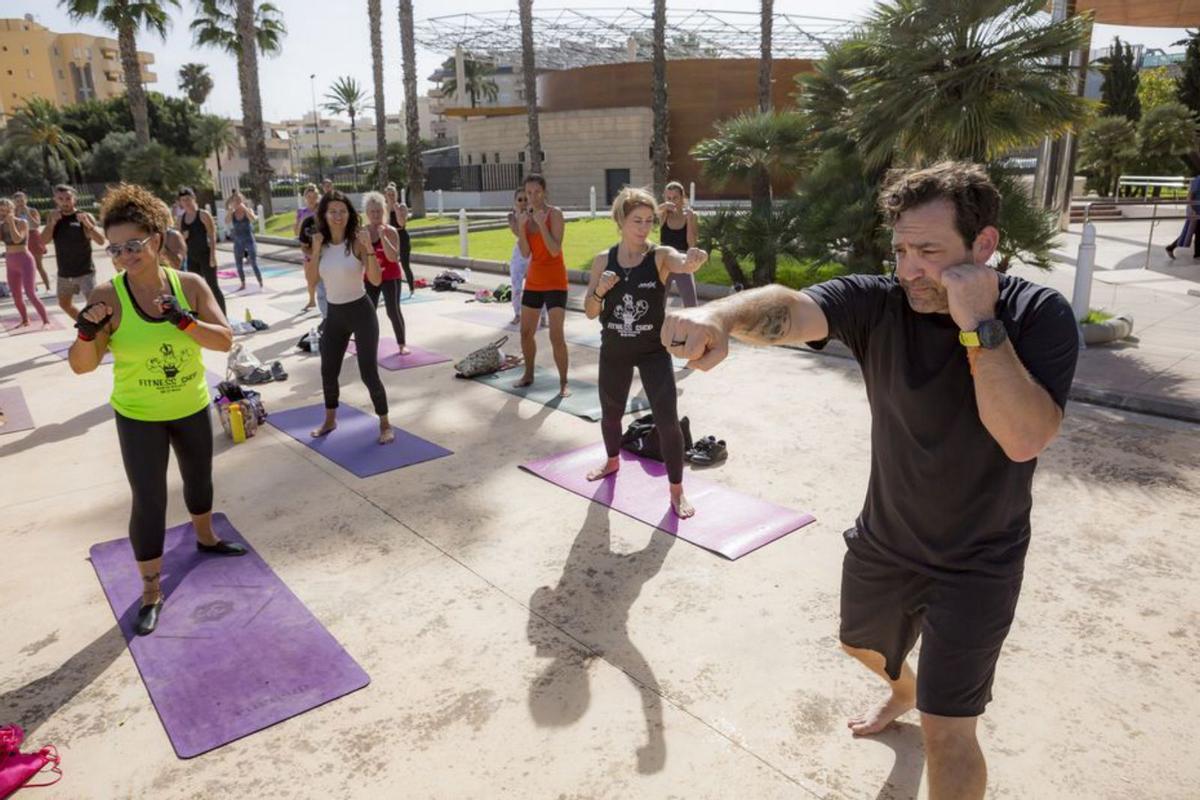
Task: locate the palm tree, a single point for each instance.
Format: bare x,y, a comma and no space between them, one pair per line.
659,145
1107,147
375,14
36,125
412,124
346,96
126,17
240,28
195,82
755,147
764,63
213,135
478,83
529,71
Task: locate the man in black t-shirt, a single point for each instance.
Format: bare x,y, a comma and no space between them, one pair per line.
73,233
967,373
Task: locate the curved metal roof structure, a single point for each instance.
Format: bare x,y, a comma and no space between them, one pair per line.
577,37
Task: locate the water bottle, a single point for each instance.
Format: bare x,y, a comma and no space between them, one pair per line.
467,274
237,424
248,315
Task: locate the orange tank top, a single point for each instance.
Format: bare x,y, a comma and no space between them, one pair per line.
547,273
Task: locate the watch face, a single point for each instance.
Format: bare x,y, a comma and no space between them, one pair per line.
992,333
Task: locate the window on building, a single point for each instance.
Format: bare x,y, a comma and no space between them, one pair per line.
62,75
6,48
483,158
521,157
10,73
496,158
25,50
55,50
468,154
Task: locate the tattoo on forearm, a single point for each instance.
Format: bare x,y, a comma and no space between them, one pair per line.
774,324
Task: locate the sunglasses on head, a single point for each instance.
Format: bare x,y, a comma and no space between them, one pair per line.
133,247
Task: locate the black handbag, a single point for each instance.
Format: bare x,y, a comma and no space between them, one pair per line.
641,437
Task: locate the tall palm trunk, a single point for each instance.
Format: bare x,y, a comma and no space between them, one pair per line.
764,64
354,148
46,165
260,167
660,145
127,44
760,184
375,14
412,124
529,70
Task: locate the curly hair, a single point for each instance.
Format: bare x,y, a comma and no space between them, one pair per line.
964,185
136,205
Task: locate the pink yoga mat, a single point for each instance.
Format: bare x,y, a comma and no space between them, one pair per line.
390,358
60,349
10,323
16,411
726,522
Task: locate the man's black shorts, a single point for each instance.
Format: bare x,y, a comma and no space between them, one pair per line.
962,622
551,299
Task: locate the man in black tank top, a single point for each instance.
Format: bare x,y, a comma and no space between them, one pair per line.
398,219
200,232
627,292
73,233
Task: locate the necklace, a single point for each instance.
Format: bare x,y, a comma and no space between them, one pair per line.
628,270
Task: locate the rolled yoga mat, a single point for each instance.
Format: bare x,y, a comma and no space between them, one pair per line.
583,402
60,349
16,411
235,651
354,445
726,522
389,355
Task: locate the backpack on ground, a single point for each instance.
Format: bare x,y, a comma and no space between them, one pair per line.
641,437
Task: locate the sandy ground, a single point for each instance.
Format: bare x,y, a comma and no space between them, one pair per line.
649,668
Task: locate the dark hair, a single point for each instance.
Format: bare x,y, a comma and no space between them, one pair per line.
185,191
136,205
336,196
534,177
64,187
517,192
963,184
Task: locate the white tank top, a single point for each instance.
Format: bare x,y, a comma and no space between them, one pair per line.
342,274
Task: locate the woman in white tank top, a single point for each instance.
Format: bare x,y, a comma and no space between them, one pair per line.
342,256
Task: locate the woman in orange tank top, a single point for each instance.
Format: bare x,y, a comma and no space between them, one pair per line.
540,236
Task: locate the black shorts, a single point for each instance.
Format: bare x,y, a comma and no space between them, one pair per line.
552,299
962,622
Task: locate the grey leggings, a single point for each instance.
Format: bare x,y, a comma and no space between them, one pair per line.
686,284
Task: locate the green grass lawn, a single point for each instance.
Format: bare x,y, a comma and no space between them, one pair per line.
583,239
281,224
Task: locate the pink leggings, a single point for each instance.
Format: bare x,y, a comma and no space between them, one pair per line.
22,279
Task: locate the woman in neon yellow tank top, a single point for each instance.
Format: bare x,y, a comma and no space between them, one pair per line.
155,321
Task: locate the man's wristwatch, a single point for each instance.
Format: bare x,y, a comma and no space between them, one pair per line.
989,335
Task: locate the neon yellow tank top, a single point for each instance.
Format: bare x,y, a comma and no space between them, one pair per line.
158,374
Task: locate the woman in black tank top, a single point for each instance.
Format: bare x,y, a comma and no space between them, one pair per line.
678,229
627,291
195,225
398,219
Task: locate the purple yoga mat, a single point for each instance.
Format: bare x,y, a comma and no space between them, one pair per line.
726,522
390,358
16,411
60,349
233,290
353,446
235,650
10,323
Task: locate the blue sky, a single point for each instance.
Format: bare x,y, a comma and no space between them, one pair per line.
332,43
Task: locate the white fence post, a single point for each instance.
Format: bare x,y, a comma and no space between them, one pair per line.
262,222
404,196
219,219
441,203
462,229
1082,294
692,193
592,192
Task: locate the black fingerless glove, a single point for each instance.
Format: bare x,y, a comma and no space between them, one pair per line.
175,314
88,329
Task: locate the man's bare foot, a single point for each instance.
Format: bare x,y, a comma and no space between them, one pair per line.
386,434
404,351
882,715
516,320
325,428
610,466
683,508
564,391
525,381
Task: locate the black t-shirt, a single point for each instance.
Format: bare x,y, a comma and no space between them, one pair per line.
307,227
943,497
72,247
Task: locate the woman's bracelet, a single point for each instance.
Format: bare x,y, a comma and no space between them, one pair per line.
599,297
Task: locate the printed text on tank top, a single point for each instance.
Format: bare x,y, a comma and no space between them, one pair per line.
634,307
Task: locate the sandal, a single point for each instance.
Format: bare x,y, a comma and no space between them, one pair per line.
278,372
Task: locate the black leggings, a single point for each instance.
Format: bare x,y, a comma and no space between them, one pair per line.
342,321
406,258
391,300
658,379
144,449
209,273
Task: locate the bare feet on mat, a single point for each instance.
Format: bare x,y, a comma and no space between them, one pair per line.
24,324
404,351
564,391
882,715
386,434
526,380
610,466
683,508
327,426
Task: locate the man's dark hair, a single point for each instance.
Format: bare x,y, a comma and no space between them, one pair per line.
186,191
964,185
64,187
533,177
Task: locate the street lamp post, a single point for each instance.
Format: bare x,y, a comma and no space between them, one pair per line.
312,81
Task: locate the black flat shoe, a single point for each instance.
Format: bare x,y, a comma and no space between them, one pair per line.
222,548
147,619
